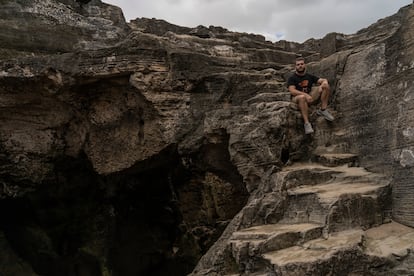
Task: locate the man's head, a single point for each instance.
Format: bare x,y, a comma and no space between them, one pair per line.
300,65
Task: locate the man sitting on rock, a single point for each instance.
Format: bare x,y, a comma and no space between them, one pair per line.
300,87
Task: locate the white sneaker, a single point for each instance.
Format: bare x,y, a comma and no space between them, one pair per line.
325,113
308,128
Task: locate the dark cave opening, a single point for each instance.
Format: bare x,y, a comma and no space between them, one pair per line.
50,227
155,218
147,220
81,223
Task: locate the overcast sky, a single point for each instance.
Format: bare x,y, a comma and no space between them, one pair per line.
293,20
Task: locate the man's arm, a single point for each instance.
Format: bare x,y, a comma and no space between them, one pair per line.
294,92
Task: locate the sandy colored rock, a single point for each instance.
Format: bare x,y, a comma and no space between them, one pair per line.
145,147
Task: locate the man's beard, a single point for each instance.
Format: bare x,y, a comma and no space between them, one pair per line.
300,71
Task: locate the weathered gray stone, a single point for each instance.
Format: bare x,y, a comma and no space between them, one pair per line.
145,147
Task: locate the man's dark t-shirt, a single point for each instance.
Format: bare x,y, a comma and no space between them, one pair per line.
302,83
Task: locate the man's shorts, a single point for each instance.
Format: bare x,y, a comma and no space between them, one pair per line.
315,93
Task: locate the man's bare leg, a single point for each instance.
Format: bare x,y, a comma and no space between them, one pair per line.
304,109
325,93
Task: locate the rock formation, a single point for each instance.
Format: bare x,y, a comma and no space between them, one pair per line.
153,149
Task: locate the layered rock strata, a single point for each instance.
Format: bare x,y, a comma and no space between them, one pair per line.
153,149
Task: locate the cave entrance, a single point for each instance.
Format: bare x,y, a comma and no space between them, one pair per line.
155,218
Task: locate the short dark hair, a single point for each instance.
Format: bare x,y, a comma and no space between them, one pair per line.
300,59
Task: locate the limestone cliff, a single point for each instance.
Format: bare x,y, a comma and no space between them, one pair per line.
153,149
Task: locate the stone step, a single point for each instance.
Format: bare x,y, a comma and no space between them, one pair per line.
313,257
339,205
356,174
306,174
350,252
254,241
300,174
389,240
336,159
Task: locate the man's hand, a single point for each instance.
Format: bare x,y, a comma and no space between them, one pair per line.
308,98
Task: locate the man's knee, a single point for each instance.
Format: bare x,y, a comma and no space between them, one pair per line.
325,83
325,86
298,99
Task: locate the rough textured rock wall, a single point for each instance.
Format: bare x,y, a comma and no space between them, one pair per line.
374,95
373,86
78,174
58,26
130,150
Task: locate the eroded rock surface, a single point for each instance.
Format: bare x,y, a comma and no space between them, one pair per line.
153,149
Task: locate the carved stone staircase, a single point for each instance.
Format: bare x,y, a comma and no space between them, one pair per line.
333,223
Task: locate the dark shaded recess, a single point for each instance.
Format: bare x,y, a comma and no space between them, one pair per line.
131,222
285,155
49,227
80,219
152,237
212,158
215,157
147,218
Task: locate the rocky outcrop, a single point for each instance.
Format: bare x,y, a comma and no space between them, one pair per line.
154,149
51,26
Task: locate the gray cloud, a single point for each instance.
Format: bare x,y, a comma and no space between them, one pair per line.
295,20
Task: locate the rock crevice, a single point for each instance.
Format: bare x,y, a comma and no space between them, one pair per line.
149,148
